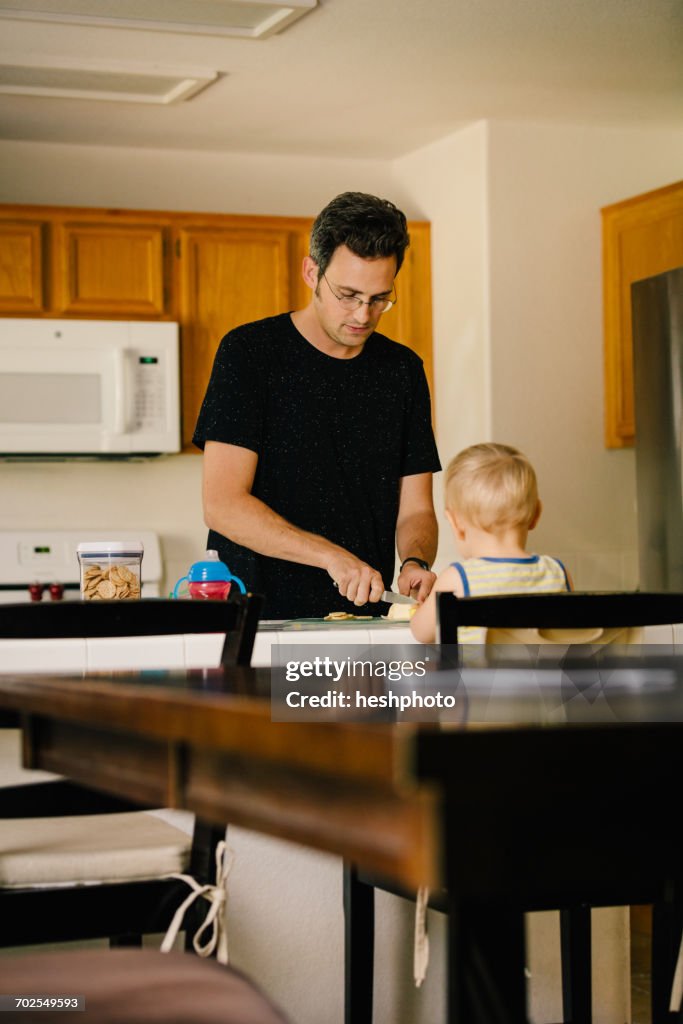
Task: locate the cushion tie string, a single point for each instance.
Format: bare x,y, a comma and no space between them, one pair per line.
215,921
421,948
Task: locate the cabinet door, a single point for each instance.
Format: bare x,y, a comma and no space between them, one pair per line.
410,320
228,277
21,267
299,246
642,237
107,269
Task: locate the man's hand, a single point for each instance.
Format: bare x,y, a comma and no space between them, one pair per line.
356,580
416,582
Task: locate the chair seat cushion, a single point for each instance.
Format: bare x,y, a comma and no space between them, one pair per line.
141,986
89,849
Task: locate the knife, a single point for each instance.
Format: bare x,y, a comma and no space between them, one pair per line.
391,598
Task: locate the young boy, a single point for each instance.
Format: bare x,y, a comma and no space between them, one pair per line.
491,503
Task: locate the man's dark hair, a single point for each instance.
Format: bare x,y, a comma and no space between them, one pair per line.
371,228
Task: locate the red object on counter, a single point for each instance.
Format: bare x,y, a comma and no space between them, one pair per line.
209,590
36,591
56,591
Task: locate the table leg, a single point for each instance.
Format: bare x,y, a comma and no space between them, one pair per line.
575,944
486,961
359,947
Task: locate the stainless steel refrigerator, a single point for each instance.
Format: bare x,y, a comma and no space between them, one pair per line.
657,306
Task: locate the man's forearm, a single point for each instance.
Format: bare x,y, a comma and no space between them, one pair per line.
233,511
252,524
417,535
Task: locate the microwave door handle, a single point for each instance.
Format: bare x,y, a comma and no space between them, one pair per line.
122,392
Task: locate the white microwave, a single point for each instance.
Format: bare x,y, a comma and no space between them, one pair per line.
88,387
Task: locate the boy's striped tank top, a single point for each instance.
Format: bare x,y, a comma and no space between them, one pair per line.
484,576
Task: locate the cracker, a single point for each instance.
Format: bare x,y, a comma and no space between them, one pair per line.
117,582
344,617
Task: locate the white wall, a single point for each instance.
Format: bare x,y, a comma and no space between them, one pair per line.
516,250
162,495
547,184
449,181
176,180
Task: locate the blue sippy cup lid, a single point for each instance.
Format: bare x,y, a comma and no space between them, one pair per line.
208,569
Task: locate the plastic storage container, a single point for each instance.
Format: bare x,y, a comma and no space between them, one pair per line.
209,579
110,570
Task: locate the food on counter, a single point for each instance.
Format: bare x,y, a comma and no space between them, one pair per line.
344,616
110,569
114,583
401,612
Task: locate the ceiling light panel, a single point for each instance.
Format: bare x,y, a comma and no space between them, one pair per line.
64,80
252,19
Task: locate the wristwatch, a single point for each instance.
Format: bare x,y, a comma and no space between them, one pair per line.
418,561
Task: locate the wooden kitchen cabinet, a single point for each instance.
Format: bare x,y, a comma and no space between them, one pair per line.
21,266
227,276
642,236
109,268
77,262
410,320
210,272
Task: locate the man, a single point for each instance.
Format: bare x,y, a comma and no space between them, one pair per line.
316,431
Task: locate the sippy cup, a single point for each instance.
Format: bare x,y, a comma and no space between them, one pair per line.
209,579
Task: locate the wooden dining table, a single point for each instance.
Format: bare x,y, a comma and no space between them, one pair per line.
538,790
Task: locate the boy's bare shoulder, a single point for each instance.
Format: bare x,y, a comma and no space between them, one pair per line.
450,581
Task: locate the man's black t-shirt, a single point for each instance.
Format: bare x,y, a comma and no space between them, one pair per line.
333,438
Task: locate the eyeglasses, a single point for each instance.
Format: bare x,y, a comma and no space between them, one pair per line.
352,302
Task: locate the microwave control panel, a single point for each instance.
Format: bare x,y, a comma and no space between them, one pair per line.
149,386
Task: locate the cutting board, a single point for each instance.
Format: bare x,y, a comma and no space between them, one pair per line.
297,625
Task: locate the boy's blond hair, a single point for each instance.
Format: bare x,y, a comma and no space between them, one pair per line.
492,486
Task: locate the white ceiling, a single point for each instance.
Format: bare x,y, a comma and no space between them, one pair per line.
365,78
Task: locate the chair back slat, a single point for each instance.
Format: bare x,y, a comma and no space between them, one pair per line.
239,643
237,618
570,611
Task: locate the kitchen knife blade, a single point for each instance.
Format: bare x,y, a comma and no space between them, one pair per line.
391,598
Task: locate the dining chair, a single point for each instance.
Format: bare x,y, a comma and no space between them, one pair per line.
565,620
76,864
